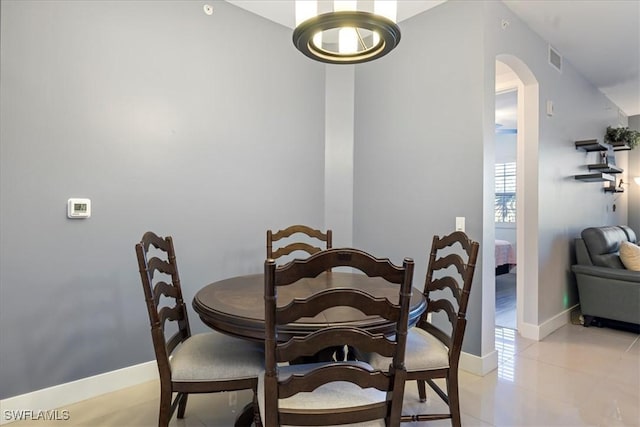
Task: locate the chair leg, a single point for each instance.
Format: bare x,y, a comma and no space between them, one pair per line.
422,391
454,400
182,405
165,407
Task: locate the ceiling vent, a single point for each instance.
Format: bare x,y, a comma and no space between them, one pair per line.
555,59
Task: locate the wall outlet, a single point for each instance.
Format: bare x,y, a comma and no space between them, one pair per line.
233,398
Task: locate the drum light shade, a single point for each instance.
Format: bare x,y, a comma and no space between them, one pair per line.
346,35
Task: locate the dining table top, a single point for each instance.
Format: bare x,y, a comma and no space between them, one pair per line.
235,306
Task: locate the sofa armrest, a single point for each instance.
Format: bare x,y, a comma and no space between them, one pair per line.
609,293
608,273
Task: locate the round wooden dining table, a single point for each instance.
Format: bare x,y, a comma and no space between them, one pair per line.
235,306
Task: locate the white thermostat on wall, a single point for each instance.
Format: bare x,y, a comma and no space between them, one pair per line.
79,208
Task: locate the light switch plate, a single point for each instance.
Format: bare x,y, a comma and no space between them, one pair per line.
459,223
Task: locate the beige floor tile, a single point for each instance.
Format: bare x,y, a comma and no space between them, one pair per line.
412,405
551,381
626,371
613,404
509,343
219,409
588,350
501,403
140,415
634,348
105,405
575,377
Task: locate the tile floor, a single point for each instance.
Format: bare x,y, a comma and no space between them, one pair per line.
506,300
575,377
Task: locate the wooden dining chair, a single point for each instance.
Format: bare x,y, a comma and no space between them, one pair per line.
433,349
289,245
339,392
202,363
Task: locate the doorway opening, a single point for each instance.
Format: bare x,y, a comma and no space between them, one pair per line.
505,212
512,72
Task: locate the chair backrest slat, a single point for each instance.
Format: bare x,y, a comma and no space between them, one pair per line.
320,302
330,373
328,337
293,246
446,282
163,289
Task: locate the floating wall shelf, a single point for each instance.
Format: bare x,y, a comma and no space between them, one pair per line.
591,145
613,189
618,146
605,167
596,177
600,172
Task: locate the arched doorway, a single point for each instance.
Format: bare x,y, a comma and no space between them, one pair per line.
527,200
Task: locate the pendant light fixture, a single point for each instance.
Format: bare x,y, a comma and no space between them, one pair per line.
346,34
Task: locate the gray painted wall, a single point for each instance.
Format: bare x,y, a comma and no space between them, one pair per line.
419,147
565,206
419,141
209,128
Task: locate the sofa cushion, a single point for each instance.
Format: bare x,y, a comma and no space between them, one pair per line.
631,235
630,256
603,244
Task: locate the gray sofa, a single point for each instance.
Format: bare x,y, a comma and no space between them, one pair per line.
606,289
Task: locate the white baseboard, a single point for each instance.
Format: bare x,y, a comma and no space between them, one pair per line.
479,365
539,332
66,394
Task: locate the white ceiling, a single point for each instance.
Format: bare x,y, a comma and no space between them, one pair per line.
600,38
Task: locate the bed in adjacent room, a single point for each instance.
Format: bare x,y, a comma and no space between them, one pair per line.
505,256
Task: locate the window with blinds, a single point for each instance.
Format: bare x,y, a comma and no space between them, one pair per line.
505,204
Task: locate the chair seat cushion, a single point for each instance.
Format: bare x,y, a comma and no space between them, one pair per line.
424,351
215,356
339,394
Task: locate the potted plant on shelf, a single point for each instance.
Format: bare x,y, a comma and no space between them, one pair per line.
622,136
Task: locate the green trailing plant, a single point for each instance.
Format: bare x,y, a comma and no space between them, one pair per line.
622,135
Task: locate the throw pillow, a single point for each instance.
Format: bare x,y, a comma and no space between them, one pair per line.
630,256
